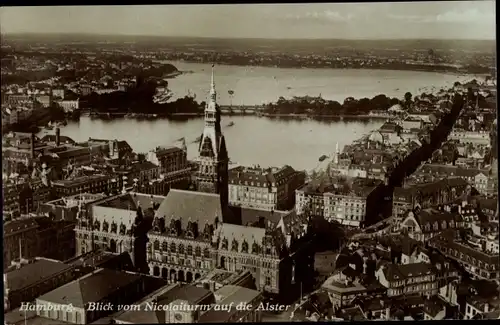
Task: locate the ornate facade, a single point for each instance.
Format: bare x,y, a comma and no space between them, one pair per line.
190,237
212,175
117,224
181,242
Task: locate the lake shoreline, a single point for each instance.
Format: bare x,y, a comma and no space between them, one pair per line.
113,116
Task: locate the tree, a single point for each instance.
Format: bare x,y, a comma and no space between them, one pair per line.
408,97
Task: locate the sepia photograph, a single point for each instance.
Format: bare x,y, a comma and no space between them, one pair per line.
232,163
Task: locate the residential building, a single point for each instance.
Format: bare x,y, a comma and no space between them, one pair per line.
428,194
347,283
169,159
479,264
427,223
477,305
69,105
416,278
93,184
271,189
346,204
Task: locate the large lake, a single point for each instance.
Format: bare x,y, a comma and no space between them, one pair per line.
258,140
251,141
257,85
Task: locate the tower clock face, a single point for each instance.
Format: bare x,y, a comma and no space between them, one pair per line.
178,317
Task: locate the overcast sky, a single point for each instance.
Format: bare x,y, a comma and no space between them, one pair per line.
433,19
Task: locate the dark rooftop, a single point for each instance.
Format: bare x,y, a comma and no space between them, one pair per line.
32,273
90,288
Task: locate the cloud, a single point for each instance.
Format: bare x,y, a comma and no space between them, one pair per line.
472,15
323,16
467,16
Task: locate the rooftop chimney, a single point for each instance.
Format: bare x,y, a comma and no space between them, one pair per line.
32,144
58,137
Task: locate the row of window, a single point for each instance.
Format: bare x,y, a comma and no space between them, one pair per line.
180,249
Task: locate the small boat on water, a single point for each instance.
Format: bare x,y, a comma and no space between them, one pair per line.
231,123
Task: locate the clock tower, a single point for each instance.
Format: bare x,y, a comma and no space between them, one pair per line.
212,175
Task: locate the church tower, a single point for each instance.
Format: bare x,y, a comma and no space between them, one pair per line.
212,175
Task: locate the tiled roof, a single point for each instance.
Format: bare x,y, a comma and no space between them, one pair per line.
395,272
198,207
90,288
431,216
32,273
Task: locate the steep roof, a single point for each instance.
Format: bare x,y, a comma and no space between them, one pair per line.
198,207
90,288
241,234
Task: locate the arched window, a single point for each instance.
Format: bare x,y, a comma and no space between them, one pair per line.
181,249
164,246
206,252
197,251
190,250
156,245
172,248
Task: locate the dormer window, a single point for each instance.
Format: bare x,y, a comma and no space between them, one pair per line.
224,243
255,248
234,245
244,247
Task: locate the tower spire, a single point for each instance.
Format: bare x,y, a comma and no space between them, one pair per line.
212,83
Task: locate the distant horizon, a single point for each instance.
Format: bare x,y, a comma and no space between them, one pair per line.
450,20
243,38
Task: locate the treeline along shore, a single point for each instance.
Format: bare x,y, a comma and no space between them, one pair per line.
139,101
382,197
